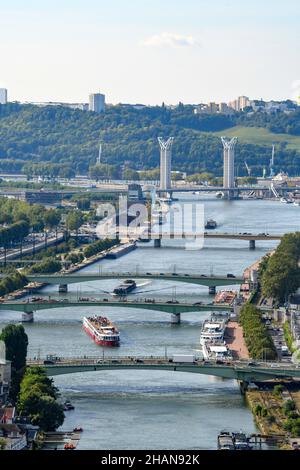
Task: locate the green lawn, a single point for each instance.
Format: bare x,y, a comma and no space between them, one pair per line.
260,136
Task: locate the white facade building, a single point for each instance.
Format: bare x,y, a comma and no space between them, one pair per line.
3,95
97,102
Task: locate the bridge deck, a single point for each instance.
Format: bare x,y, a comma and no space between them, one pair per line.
162,306
233,370
203,280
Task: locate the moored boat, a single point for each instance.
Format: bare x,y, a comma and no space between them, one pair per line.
213,329
101,330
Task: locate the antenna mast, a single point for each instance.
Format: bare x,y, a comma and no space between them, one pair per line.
99,155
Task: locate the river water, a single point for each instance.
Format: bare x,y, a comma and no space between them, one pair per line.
151,410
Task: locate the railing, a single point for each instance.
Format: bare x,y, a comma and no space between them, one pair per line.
94,360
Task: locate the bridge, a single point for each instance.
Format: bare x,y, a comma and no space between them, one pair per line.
173,307
244,372
64,279
250,237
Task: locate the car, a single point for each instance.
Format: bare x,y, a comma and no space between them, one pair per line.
252,363
186,275
230,275
174,274
197,303
219,362
148,274
139,361
47,362
274,366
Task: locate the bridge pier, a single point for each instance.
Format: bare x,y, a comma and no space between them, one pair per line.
244,386
27,317
252,244
157,243
63,288
212,290
175,318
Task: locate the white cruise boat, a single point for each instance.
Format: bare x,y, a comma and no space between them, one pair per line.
213,330
216,351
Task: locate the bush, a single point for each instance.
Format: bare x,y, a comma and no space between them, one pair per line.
288,406
13,282
47,266
278,389
98,246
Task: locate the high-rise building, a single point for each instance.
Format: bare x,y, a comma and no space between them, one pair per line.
97,102
228,170
165,162
3,95
240,103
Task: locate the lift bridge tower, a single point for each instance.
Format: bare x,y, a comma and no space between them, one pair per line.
165,162
228,171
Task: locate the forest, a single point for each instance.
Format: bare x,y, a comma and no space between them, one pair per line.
56,141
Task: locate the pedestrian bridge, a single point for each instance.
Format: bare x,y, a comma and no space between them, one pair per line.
238,370
203,280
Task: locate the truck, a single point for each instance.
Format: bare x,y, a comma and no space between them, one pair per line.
184,358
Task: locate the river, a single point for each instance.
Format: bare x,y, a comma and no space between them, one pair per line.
151,410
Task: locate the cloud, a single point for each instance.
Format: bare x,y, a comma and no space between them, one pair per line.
170,40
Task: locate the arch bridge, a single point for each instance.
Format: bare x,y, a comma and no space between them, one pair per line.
172,307
242,371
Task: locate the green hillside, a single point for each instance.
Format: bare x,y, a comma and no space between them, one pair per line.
260,136
58,141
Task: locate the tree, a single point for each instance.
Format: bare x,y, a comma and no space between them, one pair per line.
37,399
52,218
74,220
16,343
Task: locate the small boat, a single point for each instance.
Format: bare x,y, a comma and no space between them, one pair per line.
210,224
78,429
69,446
296,203
67,406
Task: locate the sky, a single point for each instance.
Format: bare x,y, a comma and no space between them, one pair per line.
149,51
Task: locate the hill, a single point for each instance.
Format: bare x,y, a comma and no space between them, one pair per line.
61,141
262,136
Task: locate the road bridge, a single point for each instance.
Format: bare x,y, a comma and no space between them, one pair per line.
200,279
250,237
173,307
244,372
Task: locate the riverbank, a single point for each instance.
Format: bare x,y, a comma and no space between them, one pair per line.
114,253
267,407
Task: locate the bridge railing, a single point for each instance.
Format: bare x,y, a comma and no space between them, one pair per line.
110,360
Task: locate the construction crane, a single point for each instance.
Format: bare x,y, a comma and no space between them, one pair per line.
248,168
271,166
